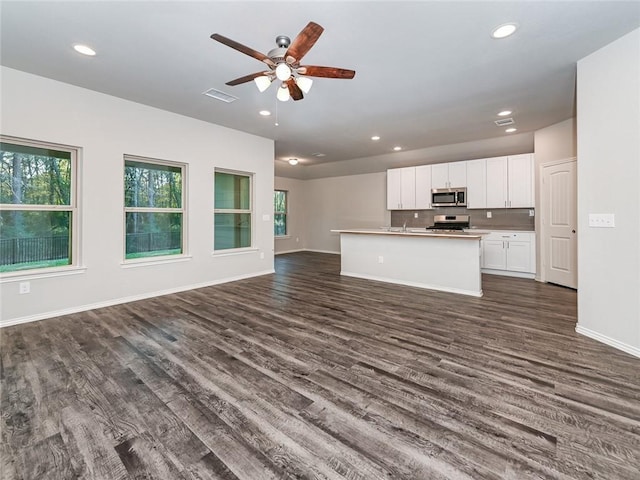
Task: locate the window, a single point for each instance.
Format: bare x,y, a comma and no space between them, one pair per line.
38,209
153,208
280,213
232,210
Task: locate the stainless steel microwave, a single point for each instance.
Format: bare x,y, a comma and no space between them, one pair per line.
449,197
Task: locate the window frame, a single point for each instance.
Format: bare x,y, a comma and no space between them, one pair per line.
285,213
251,177
155,259
75,260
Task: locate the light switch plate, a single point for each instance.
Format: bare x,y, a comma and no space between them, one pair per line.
602,220
266,217
488,214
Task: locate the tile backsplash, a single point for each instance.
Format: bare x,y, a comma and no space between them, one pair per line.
501,218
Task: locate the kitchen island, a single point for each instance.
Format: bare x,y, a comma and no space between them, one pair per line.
449,262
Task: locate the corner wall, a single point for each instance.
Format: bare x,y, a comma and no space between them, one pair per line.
106,128
296,215
354,201
608,182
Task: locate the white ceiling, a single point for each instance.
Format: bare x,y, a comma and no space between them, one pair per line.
428,73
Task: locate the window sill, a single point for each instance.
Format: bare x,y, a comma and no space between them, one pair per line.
41,273
284,237
145,262
234,251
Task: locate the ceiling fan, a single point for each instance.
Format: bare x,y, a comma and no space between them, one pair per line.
284,64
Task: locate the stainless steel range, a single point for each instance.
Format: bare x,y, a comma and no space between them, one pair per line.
449,223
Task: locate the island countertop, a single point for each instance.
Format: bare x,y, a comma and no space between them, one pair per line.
412,232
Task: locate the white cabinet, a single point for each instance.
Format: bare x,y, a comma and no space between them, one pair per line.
401,188
520,168
423,187
496,182
476,183
509,253
510,182
449,175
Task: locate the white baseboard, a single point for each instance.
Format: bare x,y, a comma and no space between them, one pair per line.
631,350
412,284
132,298
290,251
321,251
507,273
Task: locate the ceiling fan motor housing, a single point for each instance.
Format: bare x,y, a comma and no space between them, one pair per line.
283,41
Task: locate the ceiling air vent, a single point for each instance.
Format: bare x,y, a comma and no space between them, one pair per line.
218,95
503,122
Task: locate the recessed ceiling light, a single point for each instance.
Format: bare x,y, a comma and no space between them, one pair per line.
504,113
504,30
293,161
375,138
264,113
511,130
84,50
318,154
397,149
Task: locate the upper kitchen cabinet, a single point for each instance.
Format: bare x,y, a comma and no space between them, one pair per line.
401,188
510,181
477,183
423,187
520,170
449,175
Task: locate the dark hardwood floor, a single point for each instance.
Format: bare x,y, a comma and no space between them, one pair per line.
306,374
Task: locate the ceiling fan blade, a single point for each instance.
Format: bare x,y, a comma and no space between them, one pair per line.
242,48
245,79
327,72
303,42
294,90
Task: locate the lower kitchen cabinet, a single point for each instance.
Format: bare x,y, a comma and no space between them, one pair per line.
509,253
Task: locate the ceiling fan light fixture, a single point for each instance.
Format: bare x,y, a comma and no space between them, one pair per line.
304,83
283,93
293,161
283,72
262,82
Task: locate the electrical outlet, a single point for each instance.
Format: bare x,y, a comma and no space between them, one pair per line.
25,287
415,214
380,259
488,214
261,255
602,220
297,239
532,213
266,217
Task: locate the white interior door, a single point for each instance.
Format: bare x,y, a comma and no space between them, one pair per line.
559,223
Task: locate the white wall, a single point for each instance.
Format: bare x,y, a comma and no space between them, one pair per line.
106,128
296,215
555,142
355,201
609,182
